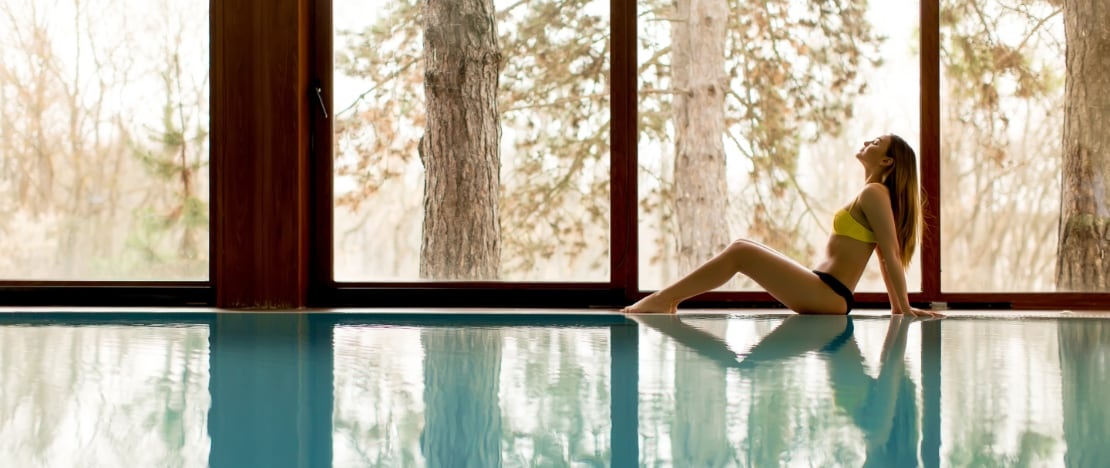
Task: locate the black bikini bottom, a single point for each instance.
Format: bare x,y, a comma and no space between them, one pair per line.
838,288
840,339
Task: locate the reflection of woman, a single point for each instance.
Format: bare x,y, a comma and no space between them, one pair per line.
884,408
883,218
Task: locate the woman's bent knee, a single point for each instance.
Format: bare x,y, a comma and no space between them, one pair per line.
741,246
740,249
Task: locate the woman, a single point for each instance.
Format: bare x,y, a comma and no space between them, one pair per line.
883,218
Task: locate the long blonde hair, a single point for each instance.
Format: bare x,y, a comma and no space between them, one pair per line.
905,195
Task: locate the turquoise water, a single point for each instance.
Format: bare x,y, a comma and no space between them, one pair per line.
760,390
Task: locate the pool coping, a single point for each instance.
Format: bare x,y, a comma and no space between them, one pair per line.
493,312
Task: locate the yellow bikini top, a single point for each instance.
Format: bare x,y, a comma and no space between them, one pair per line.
844,224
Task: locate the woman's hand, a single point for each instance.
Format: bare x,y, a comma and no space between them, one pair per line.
919,313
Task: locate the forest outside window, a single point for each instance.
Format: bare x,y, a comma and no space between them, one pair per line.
104,146
104,140
471,141
1005,68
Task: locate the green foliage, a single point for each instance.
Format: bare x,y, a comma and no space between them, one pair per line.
166,237
978,448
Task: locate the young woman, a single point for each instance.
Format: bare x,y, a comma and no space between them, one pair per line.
884,218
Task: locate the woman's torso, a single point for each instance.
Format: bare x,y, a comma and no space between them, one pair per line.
845,257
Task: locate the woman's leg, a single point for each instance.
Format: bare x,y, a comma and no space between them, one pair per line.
798,335
788,281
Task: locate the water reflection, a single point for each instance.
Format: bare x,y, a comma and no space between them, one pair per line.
91,395
883,409
271,391
1085,355
313,390
1001,383
462,417
513,396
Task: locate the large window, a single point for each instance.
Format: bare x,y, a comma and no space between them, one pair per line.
472,150
104,140
750,116
392,148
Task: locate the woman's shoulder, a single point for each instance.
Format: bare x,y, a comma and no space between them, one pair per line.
875,186
874,194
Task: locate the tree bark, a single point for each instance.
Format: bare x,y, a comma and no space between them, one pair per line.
1084,245
461,232
698,73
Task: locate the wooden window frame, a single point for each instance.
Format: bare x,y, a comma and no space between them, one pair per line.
271,204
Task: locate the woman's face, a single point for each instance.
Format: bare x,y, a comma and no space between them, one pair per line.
873,152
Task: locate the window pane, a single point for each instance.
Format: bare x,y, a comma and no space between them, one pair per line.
104,140
461,154
765,109
1002,114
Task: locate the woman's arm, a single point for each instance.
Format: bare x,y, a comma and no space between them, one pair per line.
875,202
892,285
878,414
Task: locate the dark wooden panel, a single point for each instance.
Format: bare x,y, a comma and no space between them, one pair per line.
322,277
930,147
1030,301
105,294
494,295
623,188
624,210
260,153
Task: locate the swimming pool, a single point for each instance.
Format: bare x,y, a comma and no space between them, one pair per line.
551,389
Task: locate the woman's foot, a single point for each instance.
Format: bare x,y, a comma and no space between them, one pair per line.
653,304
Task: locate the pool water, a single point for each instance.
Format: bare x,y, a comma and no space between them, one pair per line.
551,389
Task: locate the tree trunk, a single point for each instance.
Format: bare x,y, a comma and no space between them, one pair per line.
1082,262
459,149
698,72
462,412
